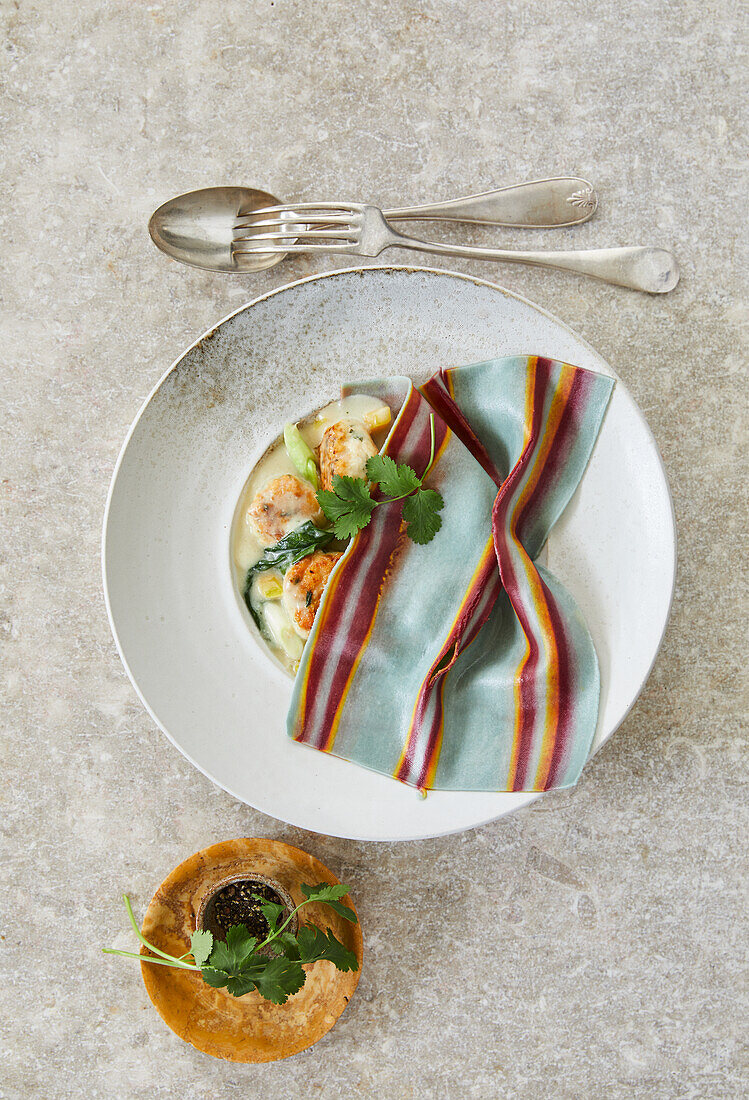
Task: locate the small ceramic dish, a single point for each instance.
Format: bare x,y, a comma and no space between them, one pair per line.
248,1028
183,631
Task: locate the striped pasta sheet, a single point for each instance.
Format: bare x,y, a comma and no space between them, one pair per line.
464,664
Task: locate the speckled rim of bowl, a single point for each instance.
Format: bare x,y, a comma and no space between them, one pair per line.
203,917
527,797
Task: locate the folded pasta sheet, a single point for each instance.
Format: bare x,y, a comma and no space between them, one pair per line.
463,664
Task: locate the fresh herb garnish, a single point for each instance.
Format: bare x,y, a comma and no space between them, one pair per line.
422,515
240,964
350,504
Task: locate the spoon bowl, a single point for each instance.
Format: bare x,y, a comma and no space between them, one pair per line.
196,228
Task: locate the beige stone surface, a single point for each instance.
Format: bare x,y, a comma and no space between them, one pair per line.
590,946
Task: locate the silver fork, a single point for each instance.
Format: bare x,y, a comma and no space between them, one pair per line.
349,228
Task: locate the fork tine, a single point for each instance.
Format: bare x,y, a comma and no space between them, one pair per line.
292,208
251,222
293,249
301,235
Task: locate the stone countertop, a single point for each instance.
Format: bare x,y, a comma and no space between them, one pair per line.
589,946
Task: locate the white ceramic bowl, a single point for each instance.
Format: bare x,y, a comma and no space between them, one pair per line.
182,631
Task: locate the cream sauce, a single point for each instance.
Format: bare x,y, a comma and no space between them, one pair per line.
246,550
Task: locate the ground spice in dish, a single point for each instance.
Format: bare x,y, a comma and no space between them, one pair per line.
235,904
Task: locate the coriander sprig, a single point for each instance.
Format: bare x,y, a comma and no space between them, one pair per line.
273,966
349,505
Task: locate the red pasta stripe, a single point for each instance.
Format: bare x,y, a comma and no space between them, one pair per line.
551,765
502,525
472,614
439,392
354,597
561,439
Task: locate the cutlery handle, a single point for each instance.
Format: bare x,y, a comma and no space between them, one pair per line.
541,204
653,270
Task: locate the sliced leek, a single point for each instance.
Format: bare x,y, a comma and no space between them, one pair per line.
300,454
269,586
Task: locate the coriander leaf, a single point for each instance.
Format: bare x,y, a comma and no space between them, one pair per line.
244,981
314,945
330,894
214,977
232,955
348,507
324,891
201,944
394,481
240,984
279,979
290,945
421,513
270,910
239,940
343,911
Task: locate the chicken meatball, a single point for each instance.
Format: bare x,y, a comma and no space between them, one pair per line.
344,450
303,587
281,506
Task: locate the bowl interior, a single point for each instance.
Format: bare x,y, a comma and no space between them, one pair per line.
179,624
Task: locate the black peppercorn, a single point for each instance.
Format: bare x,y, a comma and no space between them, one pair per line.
238,903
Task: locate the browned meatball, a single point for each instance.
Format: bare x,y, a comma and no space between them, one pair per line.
284,504
344,450
303,587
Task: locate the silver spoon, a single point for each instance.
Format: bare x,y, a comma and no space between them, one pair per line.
197,228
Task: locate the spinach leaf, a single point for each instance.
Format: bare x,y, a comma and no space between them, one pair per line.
297,544
288,550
